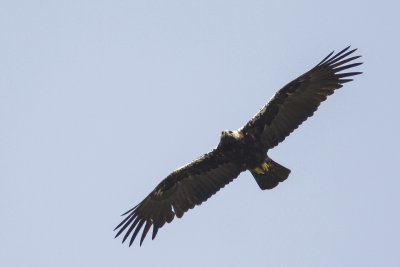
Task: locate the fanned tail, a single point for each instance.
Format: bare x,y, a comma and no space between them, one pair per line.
269,174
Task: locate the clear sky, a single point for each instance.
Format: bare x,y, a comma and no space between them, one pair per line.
100,100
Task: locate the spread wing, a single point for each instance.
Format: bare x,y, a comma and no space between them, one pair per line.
299,99
181,190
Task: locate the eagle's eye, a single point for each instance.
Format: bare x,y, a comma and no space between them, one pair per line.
226,132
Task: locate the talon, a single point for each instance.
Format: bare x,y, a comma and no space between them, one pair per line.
258,170
265,166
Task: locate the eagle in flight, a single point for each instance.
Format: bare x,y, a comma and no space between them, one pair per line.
241,150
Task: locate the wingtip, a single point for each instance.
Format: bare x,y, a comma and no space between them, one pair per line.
117,235
155,230
123,214
125,237
334,58
355,49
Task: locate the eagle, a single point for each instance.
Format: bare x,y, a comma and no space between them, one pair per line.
241,150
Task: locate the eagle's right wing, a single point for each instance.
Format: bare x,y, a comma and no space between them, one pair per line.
181,190
299,99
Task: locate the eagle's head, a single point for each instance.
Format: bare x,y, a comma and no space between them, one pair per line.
229,137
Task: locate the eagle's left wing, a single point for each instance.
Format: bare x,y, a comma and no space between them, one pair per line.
299,99
181,190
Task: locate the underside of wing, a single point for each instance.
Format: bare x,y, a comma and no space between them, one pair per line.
180,191
299,99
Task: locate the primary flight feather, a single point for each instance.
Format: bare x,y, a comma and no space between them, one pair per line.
241,150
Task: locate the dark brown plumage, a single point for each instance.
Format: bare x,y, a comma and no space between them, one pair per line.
240,150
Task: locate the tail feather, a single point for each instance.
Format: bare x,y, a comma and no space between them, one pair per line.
269,174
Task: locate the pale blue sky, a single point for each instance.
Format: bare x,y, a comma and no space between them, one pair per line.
100,100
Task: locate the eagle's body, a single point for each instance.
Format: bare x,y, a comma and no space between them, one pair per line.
241,150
